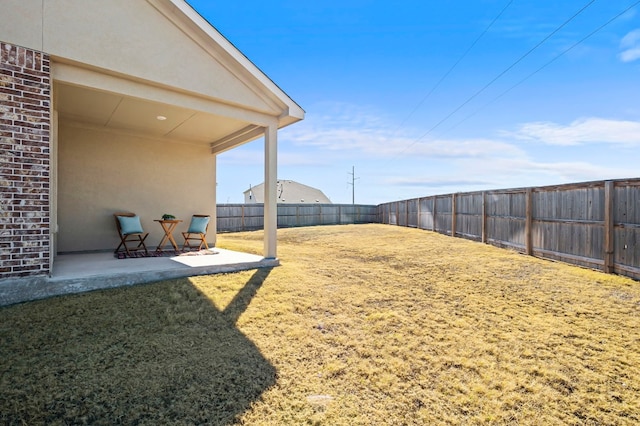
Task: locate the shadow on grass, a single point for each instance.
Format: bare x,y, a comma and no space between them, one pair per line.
149,354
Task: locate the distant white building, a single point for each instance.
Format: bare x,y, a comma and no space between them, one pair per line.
288,192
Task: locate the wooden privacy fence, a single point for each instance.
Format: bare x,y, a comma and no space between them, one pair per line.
593,224
249,217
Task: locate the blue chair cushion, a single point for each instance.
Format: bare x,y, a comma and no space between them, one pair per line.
198,225
130,225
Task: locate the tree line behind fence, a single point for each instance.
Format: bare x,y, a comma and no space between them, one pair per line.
593,224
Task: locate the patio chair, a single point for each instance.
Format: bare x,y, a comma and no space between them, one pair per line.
197,231
132,235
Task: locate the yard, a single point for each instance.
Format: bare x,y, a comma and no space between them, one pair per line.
361,325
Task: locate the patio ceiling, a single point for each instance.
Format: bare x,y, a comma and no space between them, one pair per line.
140,116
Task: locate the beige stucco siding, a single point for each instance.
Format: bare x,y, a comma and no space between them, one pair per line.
23,25
108,35
144,91
101,172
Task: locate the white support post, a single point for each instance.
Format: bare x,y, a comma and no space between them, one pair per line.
213,220
270,191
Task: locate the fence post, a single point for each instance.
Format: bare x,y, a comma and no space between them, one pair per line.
609,234
528,243
242,220
453,215
484,217
406,212
418,224
434,214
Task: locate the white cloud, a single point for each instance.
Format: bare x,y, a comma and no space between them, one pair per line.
393,163
587,130
630,45
500,173
362,133
632,38
516,172
246,156
569,171
630,55
439,182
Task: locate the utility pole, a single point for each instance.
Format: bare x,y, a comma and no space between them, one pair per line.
353,184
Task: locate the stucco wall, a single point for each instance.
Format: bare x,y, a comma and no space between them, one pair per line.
109,34
102,172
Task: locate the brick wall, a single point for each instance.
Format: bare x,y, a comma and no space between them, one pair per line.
25,99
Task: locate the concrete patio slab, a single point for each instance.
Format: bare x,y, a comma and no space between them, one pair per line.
77,273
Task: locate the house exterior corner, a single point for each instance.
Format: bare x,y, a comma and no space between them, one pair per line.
118,106
25,162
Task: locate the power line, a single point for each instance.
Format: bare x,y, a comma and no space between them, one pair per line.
353,184
500,74
446,74
545,65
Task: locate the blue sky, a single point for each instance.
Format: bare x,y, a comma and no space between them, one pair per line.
435,97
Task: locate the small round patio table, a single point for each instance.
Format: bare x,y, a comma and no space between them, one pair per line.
168,226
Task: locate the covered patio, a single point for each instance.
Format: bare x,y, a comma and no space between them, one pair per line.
143,97
81,272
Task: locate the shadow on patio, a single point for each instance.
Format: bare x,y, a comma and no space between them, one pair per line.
156,354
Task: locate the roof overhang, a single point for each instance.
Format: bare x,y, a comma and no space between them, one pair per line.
114,99
95,98
205,34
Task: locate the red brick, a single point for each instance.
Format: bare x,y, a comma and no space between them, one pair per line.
25,99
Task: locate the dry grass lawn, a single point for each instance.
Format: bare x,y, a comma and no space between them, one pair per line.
361,325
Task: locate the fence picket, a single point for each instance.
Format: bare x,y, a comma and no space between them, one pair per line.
594,224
